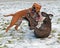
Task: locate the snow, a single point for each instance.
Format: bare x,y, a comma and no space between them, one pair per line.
24,38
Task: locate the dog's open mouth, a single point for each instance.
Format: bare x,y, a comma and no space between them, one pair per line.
40,18
37,18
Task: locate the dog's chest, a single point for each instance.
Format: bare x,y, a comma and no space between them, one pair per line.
40,22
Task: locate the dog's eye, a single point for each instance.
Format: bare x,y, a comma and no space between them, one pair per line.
33,7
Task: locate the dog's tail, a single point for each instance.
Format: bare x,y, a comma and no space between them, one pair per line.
8,15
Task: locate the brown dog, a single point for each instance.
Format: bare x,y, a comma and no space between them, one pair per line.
45,28
19,15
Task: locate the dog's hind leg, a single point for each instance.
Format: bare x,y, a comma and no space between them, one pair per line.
13,21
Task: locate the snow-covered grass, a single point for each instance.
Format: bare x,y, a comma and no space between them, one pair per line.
24,38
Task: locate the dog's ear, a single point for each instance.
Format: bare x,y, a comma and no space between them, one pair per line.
44,14
50,16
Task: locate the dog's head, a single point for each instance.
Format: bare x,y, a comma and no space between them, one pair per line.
48,17
36,7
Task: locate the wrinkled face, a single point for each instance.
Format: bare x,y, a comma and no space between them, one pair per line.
37,7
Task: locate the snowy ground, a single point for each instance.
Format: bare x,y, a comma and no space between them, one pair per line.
24,38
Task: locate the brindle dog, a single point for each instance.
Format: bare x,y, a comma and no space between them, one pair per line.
45,29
